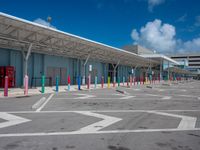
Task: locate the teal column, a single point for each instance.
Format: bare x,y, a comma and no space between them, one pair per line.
95,83
57,83
43,84
118,81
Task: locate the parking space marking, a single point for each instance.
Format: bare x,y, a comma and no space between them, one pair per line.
186,124
137,110
38,103
11,120
43,105
126,97
166,97
107,121
95,132
84,96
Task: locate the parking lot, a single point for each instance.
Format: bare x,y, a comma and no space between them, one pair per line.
159,117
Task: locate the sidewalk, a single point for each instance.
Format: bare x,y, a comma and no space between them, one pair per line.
17,92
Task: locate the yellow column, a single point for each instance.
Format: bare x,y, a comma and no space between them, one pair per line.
108,82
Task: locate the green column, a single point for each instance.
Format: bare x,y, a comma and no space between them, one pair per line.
118,81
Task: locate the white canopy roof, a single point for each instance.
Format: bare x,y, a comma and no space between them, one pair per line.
16,33
159,57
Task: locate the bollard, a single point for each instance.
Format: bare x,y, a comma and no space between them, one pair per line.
88,85
102,81
118,81
108,82
114,81
131,81
79,82
43,84
127,82
68,81
57,88
26,85
83,80
6,86
143,79
123,80
95,83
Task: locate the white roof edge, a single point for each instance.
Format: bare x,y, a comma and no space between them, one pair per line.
66,33
160,56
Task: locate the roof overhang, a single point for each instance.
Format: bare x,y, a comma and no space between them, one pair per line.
178,70
16,33
159,57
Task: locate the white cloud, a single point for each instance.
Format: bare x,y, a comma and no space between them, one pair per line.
135,35
161,37
153,3
43,22
193,45
156,35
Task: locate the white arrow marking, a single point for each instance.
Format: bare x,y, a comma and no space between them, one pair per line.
166,97
186,122
107,121
127,97
11,120
84,96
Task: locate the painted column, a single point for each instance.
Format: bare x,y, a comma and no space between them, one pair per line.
102,81
43,84
26,85
6,86
95,82
108,82
69,82
57,83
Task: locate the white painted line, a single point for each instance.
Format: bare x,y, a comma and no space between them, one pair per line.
107,121
94,132
137,89
127,97
43,105
11,120
84,96
73,111
161,90
152,95
187,122
183,90
38,103
186,95
166,97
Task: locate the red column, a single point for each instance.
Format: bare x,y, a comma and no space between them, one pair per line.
6,86
102,81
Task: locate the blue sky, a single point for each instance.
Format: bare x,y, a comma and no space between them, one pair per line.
163,25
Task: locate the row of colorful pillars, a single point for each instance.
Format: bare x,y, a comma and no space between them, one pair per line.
130,81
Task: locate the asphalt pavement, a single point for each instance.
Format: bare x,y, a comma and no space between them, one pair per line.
164,117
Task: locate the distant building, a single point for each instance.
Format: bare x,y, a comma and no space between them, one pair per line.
137,49
190,62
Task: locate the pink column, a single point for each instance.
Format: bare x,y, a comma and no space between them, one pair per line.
131,81
26,85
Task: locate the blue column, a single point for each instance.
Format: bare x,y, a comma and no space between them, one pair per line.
57,83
